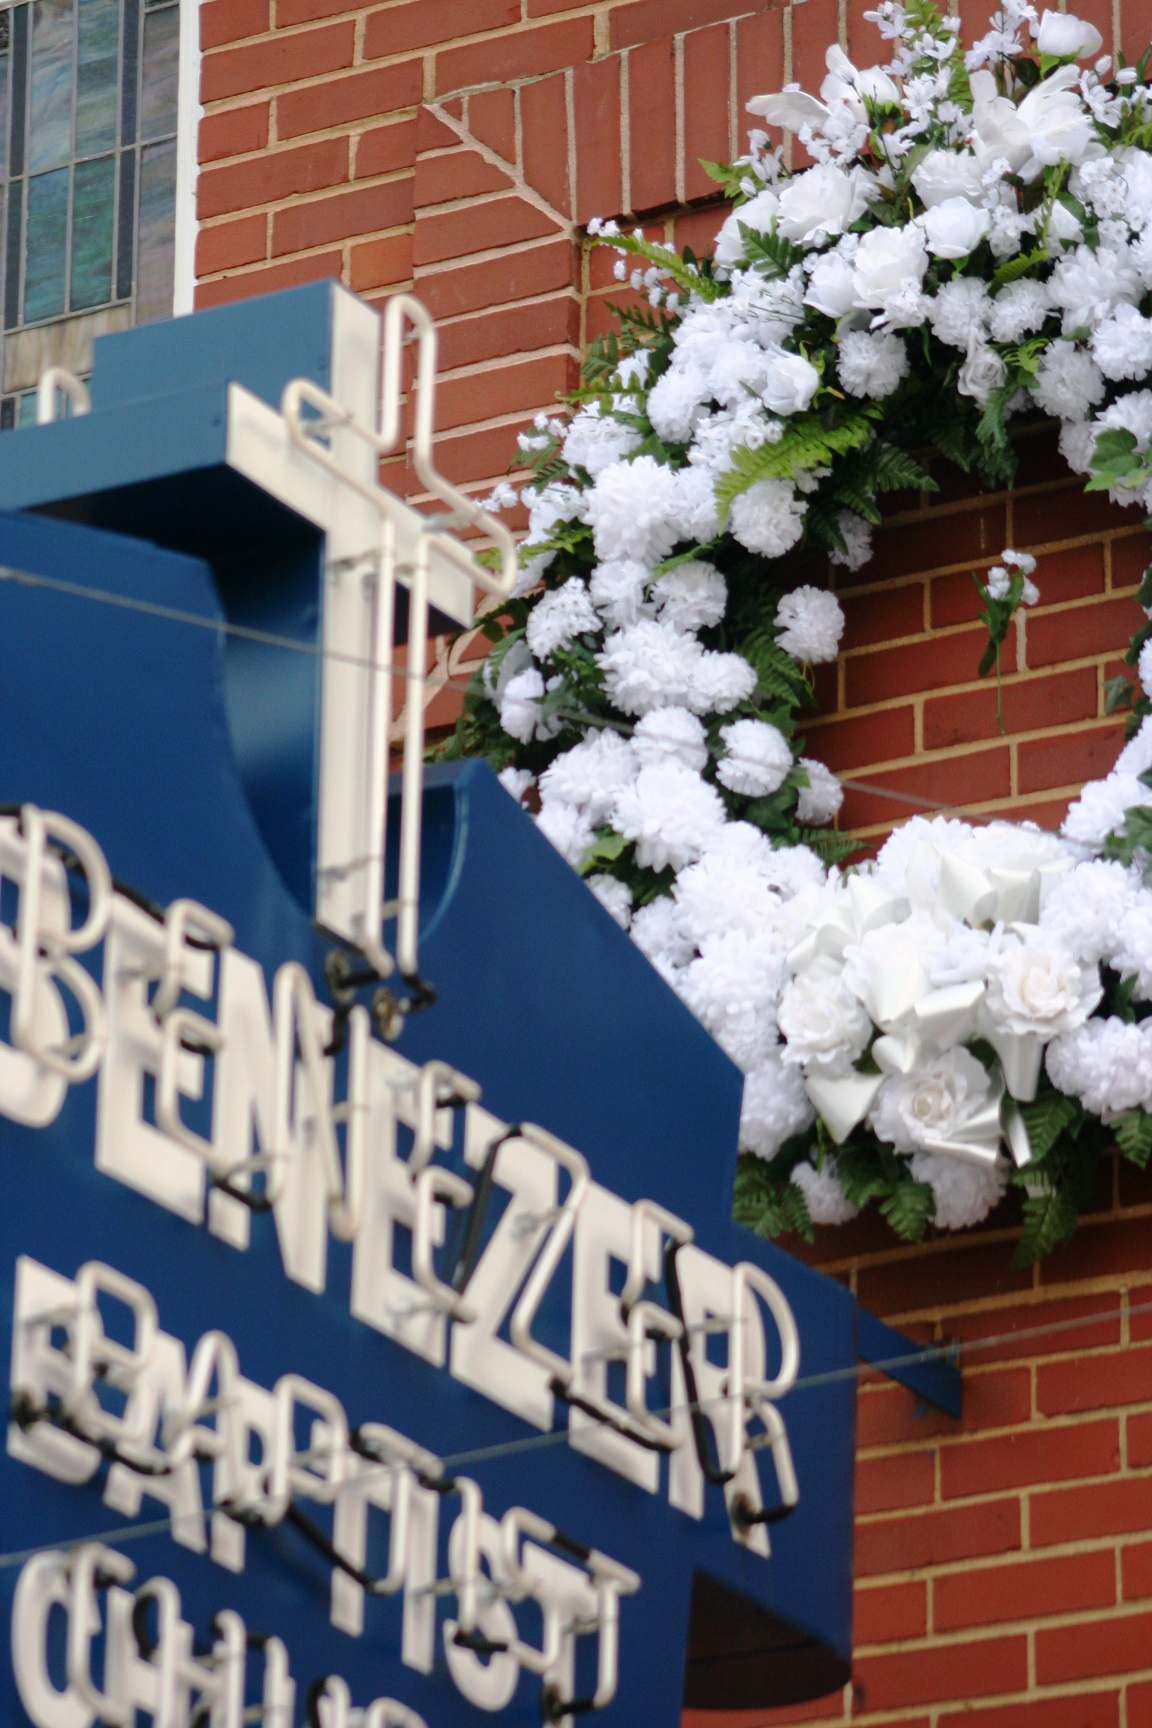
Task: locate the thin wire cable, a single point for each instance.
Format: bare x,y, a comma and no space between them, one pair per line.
270,639
559,1436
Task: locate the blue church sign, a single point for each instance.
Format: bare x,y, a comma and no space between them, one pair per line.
367,1366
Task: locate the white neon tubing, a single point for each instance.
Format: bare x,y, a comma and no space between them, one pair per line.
38,826
520,1325
58,379
643,1212
84,1623
747,1279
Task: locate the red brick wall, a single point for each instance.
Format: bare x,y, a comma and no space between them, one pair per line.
1004,1562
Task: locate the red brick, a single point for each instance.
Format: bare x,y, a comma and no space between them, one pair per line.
266,179
652,110
1095,1509
1135,28
813,29
460,174
1094,1382
427,23
901,1479
544,140
907,548
977,1669
1140,1697
231,244
234,132
380,263
935,1538
224,21
963,717
698,229
1083,630
1140,1441
455,233
305,54
706,80
1094,1252
596,99
1060,514
1018,1460
1099,12
515,54
307,11
1113,1646
602,259
1068,759
512,330
930,664
647,20
266,281
970,1270
364,211
1130,556
1136,1571
534,383
483,455
759,65
1023,1591
886,1414
492,119
952,783
497,281
895,611
880,737
1038,1329
1083,1710
363,96
385,149
887,1612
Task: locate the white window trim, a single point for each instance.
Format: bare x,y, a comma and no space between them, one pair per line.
189,113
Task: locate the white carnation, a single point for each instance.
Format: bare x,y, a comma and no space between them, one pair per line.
819,802
827,1201
692,596
768,517
823,1023
1083,909
520,713
671,814
1101,808
516,782
1078,444
1017,310
649,665
595,439
1136,755
1068,382
776,1106
1122,344
632,509
959,311
615,897
567,828
721,893
871,365
590,774
732,990
694,514
670,732
791,869
757,758
676,402
1088,285
1037,985
657,933
809,624
617,591
964,1193
857,537
1106,1064
1132,949
559,617
719,681
933,1103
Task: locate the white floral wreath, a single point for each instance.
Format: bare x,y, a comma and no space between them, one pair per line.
974,1006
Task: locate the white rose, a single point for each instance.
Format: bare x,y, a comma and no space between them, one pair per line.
982,372
954,228
886,259
822,1022
1036,985
1063,37
790,383
830,289
932,1104
946,174
823,200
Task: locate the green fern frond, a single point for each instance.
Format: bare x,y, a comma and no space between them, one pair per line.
808,443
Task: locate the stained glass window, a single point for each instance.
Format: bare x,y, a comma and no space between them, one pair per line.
88,99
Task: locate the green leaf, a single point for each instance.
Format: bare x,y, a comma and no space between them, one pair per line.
808,443
606,849
1133,1131
1049,1220
1013,268
909,1209
1117,694
689,278
1047,1117
769,1203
